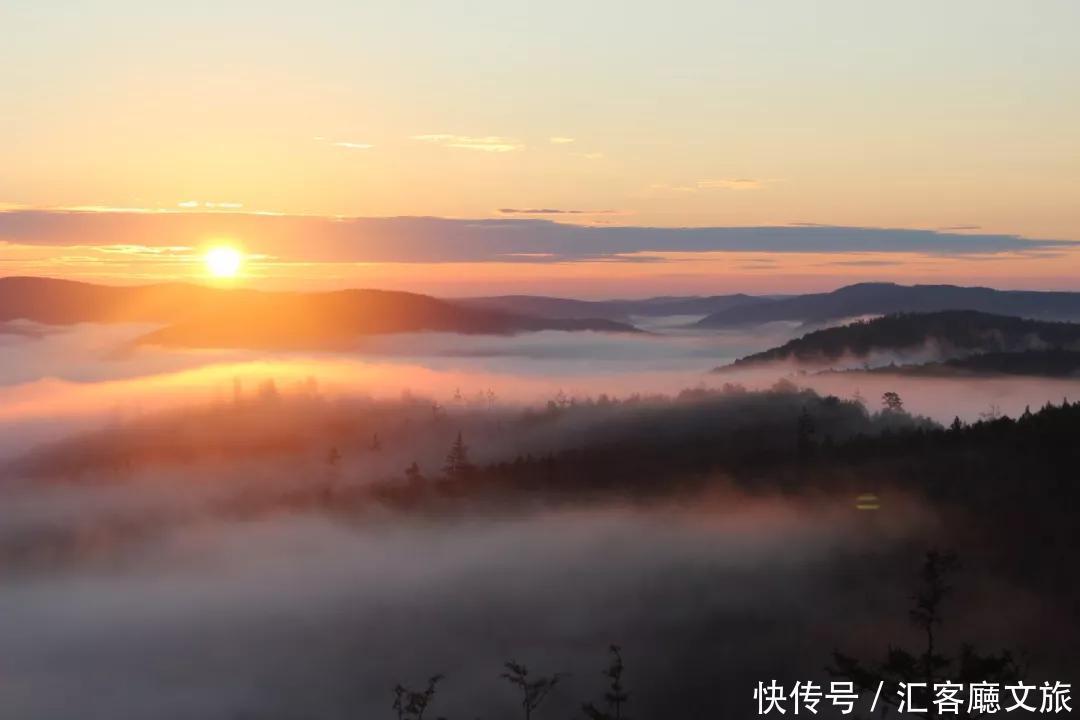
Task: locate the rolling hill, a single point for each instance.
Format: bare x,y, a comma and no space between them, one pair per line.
916,338
619,310
884,298
1054,363
199,316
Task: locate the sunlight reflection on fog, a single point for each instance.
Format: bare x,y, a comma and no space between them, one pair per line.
55,380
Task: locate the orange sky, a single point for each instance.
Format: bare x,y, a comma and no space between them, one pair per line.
960,116
632,274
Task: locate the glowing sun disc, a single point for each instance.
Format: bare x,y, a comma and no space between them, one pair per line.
224,262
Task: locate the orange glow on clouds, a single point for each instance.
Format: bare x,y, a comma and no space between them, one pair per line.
656,273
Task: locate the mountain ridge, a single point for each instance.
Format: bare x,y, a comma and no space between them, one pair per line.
621,310
201,316
918,338
875,298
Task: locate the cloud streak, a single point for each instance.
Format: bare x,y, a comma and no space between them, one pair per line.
346,144
486,143
732,184
553,211
515,239
737,184
195,204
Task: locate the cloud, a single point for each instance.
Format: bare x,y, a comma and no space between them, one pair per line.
712,184
433,240
665,187
959,228
732,184
347,144
561,140
553,211
155,251
862,263
487,143
194,204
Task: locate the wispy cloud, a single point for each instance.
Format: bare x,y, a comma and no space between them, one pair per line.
736,184
553,211
861,263
516,231
731,184
347,144
102,209
192,204
757,264
152,250
668,188
486,143
559,140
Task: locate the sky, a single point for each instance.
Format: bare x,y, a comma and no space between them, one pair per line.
272,125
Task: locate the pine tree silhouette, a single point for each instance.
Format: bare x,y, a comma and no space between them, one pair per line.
413,476
457,465
616,696
928,666
805,434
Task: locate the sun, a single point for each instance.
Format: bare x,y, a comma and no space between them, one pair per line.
223,261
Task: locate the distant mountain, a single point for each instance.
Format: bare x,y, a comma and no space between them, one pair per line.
1055,363
198,316
620,310
919,338
883,298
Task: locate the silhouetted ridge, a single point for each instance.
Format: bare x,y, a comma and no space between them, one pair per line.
198,316
884,298
912,336
1054,363
622,310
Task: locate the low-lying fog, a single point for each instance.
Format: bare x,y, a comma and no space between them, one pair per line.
305,617
155,609
54,380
